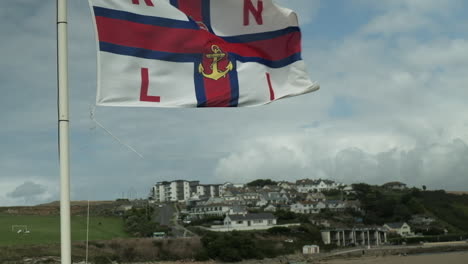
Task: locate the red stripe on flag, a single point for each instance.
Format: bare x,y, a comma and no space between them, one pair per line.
192,8
272,92
157,38
217,90
271,49
148,2
144,97
177,40
218,93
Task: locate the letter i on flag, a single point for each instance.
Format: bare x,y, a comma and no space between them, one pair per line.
197,53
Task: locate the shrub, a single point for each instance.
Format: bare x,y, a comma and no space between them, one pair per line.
129,254
101,260
157,243
279,230
329,247
115,245
202,255
96,244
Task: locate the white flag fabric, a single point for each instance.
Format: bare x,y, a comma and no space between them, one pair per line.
197,53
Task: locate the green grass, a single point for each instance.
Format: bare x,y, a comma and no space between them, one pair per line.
46,229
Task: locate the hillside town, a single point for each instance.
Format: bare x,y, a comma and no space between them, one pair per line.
254,206
276,221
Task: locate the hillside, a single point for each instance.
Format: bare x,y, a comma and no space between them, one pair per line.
97,208
382,205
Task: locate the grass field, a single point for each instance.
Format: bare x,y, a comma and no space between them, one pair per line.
46,229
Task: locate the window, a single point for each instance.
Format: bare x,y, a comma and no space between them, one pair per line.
240,222
258,221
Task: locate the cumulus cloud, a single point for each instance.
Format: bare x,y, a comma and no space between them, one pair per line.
27,190
28,193
401,17
305,9
428,164
392,107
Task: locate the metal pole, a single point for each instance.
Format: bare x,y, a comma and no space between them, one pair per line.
63,120
87,234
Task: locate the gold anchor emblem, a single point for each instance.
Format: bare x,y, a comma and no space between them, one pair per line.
216,56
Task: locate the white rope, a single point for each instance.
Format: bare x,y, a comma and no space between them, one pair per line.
112,135
87,234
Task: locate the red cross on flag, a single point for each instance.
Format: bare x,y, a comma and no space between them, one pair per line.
197,53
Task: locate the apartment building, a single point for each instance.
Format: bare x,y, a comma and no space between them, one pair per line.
173,191
182,190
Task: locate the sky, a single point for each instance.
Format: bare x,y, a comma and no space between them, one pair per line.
392,107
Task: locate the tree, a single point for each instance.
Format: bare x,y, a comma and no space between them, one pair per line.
424,187
261,183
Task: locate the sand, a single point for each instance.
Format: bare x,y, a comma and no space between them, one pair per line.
430,258
437,258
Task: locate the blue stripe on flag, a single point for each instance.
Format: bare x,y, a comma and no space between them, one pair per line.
188,57
234,79
148,20
199,84
206,14
272,64
175,3
261,36
147,54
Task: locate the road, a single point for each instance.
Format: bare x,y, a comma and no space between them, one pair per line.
177,229
164,215
167,215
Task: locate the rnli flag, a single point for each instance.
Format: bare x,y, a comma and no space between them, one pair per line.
197,53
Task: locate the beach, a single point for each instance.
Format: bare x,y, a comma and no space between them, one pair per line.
460,257
432,258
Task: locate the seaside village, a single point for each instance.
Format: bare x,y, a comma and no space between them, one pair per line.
250,207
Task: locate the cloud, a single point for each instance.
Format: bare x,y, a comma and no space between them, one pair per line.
400,16
280,158
27,190
32,191
392,106
306,9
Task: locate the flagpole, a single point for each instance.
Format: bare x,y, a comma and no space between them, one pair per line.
87,234
63,120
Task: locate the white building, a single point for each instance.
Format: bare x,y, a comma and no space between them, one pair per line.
286,185
310,249
249,221
250,198
335,205
208,190
270,208
402,229
355,236
307,207
308,185
217,210
173,191
316,197
182,190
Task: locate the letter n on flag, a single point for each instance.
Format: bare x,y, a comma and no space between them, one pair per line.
197,53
